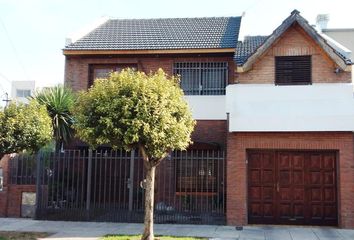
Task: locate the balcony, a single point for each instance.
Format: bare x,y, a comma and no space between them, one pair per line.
207,107
268,108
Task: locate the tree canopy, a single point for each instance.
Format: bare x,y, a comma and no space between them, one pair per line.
59,101
134,109
24,127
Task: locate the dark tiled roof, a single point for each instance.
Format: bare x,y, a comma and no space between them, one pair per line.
247,48
169,33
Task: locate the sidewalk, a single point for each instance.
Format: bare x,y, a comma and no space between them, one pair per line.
94,230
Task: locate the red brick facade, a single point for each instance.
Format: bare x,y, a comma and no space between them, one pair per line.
294,42
210,132
206,131
77,67
238,143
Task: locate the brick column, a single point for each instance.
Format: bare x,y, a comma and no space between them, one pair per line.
4,164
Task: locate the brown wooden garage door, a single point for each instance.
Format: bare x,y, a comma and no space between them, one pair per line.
292,187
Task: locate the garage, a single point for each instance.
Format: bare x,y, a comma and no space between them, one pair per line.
292,187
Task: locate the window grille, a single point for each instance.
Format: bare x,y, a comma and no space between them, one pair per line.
202,78
293,70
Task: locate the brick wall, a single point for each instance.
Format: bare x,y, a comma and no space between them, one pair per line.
294,42
15,198
207,133
4,164
210,131
238,143
11,196
77,67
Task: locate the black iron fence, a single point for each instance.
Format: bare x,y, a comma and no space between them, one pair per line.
23,169
107,186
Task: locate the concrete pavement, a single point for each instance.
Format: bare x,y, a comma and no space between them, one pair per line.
93,230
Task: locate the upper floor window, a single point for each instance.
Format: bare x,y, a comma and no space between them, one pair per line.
293,70
202,78
103,71
23,93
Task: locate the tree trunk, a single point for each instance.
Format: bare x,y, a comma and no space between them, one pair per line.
58,146
149,204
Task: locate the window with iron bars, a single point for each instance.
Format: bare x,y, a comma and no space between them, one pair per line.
202,78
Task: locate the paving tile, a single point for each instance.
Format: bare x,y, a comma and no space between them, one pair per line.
227,233
91,230
277,234
252,234
223,238
322,233
75,234
302,234
331,238
346,233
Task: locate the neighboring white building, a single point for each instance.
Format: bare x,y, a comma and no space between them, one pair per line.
21,90
344,36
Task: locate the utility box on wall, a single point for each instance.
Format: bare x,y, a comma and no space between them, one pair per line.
28,204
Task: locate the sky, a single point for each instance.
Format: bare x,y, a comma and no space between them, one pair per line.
33,32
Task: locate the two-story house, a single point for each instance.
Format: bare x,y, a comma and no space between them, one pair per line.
290,140
200,50
282,105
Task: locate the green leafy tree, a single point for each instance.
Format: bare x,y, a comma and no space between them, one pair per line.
24,127
58,100
134,110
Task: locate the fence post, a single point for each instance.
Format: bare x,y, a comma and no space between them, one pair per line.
38,184
88,187
131,177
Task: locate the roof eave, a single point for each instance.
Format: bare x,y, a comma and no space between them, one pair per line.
68,52
324,45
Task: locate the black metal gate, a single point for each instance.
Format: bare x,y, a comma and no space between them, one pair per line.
107,186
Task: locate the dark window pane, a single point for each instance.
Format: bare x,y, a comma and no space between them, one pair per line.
23,93
293,70
103,71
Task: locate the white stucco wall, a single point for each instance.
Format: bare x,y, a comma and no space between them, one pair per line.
21,85
207,107
267,108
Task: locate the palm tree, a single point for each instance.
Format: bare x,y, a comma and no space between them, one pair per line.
58,100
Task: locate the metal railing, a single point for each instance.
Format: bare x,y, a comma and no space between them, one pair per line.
23,169
202,78
106,186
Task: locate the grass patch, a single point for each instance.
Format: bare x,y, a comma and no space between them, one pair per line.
22,235
138,237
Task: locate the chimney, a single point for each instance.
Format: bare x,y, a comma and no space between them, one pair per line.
322,21
68,41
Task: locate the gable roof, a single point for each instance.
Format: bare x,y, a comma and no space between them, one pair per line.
161,34
294,17
246,48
